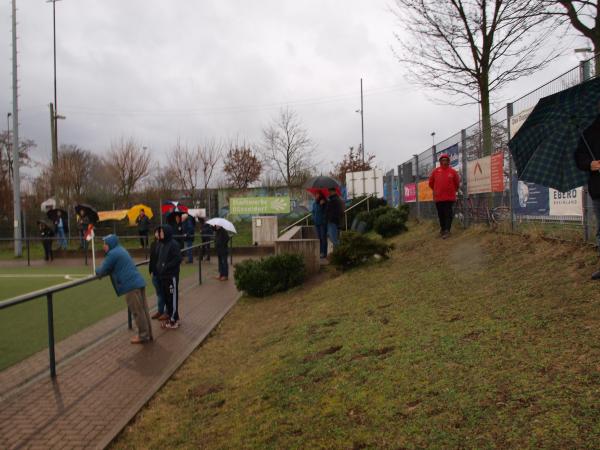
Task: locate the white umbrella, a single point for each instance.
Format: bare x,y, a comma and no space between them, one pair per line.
222,223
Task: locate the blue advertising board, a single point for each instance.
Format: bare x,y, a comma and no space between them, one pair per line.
530,199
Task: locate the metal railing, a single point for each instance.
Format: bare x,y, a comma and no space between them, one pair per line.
309,215
49,293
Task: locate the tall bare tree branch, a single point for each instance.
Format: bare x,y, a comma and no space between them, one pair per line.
128,164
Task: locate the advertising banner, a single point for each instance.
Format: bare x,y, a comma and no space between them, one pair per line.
425,192
479,176
497,172
530,199
369,182
566,203
410,193
259,205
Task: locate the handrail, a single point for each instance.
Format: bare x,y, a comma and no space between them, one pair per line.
49,292
310,214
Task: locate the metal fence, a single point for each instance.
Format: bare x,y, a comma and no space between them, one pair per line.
510,203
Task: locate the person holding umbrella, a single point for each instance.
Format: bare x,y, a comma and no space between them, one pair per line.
318,216
222,247
143,224
334,212
61,228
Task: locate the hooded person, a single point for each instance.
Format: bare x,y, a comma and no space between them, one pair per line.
160,301
168,262
127,280
444,181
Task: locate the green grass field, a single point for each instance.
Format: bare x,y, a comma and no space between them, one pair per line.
480,341
23,328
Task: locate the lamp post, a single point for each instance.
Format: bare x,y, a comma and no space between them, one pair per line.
56,115
15,147
432,138
362,123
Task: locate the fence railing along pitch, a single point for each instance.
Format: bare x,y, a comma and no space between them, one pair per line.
528,205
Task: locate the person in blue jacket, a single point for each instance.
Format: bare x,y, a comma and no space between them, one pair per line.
318,216
127,280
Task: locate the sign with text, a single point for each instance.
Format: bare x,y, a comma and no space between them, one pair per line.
479,176
259,205
497,172
410,193
568,203
530,199
425,192
518,120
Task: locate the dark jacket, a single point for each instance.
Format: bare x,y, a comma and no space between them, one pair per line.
169,255
154,248
143,223
189,227
221,240
124,276
179,233
583,158
46,233
334,210
207,232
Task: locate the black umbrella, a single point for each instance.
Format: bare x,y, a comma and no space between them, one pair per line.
53,214
89,211
171,215
322,182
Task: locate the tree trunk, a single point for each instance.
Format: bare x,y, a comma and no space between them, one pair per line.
486,120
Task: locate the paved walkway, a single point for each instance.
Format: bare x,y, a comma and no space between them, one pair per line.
102,380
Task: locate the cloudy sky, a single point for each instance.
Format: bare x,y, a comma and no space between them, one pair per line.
196,70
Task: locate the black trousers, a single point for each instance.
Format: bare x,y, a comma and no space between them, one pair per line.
143,238
170,291
445,214
47,243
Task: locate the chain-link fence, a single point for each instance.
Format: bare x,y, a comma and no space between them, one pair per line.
490,191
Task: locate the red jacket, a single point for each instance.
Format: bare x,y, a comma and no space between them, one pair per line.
444,182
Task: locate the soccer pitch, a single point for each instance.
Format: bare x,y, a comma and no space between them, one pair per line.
24,328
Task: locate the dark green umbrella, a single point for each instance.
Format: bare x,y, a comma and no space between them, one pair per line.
543,148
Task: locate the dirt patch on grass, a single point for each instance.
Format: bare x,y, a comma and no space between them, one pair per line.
202,391
323,353
384,351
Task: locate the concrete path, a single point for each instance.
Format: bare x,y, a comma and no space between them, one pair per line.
102,380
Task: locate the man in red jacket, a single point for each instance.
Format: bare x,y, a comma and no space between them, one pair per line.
444,181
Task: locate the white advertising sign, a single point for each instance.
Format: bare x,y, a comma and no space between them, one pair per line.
568,203
479,178
369,182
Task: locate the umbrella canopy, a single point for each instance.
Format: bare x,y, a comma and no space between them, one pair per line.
88,210
118,214
324,192
172,214
53,214
134,212
222,223
173,206
543,148
322,182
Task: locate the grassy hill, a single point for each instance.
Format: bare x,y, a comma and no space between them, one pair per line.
480,341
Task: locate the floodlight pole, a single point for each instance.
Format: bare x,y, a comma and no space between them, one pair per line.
15,136
362,123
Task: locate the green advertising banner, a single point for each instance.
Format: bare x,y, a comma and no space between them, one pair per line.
259,205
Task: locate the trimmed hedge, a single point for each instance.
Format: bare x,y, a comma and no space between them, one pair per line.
392,222
260,278
356,249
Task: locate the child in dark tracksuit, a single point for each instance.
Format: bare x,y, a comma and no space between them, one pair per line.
154,248
167,270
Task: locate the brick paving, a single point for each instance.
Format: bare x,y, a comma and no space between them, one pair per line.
100,388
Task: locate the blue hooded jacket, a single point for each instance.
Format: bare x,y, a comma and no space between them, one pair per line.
118,264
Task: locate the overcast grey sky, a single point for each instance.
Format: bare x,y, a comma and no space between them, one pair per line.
159,70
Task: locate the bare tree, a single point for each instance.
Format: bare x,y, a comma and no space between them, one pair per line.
210,155
242,167
128,164
352,162
72,173
6,169
186,166
584,16
287,148
471,48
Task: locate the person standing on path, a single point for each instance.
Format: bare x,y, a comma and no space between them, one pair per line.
47,234
189,228
222,247
143,225
318,216
61,228
127,280
167,269
334,212
444,181
179,233
587,158
207,236
160,300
